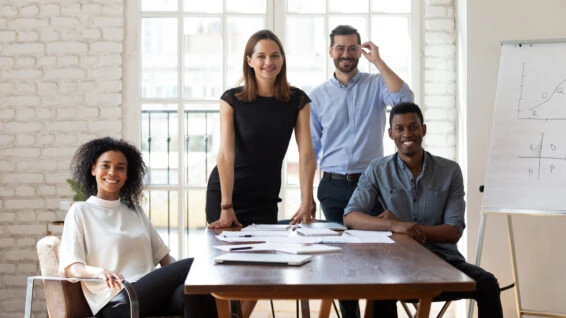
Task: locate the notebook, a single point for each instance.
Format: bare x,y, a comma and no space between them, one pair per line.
316,232
262,259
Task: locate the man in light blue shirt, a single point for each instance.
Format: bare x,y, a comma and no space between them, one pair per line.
348,114
420,195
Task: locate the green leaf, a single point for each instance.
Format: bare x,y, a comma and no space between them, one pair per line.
79,195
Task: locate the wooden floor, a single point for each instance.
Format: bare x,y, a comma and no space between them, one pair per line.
287,309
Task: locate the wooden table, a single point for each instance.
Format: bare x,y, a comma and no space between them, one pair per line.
404,270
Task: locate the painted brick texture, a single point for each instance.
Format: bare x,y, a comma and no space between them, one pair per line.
60,85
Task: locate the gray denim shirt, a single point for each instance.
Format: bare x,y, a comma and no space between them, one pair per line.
437,196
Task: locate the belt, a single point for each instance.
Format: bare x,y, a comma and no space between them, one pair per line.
352,177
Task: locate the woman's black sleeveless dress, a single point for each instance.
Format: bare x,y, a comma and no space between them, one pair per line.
263,130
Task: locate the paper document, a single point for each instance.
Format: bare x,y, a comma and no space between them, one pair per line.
323,225
370,236
267,227
290,248
258,238
262,258
316,232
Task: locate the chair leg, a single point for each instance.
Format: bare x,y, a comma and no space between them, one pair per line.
272,308
443,309
305,308
336,309
407,309
29,297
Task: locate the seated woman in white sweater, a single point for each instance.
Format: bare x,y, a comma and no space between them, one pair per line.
110,237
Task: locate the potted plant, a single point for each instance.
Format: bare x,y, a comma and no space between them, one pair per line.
79,195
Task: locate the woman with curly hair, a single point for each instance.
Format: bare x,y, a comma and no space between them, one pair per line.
109,237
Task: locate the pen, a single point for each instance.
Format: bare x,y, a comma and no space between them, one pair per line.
246,235
240,248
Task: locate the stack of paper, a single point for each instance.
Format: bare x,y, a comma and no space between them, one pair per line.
289,248
316,232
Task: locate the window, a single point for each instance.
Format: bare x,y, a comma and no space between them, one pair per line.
190,52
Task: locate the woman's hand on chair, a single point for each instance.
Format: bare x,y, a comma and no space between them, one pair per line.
112,279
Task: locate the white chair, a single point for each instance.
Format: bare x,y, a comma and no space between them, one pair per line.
63,296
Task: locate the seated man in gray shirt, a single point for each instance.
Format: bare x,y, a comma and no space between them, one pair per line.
422,196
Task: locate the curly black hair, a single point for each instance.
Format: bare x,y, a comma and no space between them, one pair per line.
87,154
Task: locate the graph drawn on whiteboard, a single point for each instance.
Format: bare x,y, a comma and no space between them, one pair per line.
527,155
540,99
544,158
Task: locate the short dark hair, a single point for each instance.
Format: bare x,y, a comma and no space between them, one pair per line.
87,155
344,30
405,108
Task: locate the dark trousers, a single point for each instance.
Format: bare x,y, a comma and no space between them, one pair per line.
486,295
161,292
333,196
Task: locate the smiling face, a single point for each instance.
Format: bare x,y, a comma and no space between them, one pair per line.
111,173
266,59
346,53
407,132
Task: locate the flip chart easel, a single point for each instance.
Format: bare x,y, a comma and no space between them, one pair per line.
527,156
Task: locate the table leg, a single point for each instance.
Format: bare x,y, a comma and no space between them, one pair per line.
368,312
424,307
325,305
223,308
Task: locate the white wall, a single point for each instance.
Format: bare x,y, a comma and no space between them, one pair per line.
539,240
60,86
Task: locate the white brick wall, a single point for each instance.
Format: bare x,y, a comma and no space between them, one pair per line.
61,85
439,77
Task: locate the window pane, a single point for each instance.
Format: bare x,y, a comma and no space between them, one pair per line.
238,31
391,34
161,207
160,143
292,202
208,6
196,202
202,142
306,51
388,6
246,6
159,58
202,74
352,6
161,5
303,6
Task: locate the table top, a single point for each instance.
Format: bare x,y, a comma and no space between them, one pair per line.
401,270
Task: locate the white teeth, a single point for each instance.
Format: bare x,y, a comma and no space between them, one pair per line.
408,142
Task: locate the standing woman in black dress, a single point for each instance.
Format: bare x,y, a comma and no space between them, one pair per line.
256,124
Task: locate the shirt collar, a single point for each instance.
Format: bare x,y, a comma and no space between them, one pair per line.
104,203
403,166
352,82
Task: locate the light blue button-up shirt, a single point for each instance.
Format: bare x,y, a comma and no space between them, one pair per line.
347,122
437,196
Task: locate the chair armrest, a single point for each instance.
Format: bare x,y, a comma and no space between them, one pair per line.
130,291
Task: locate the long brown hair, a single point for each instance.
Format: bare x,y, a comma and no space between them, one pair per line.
249,90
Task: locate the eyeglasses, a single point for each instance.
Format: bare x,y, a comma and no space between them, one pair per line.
352,49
